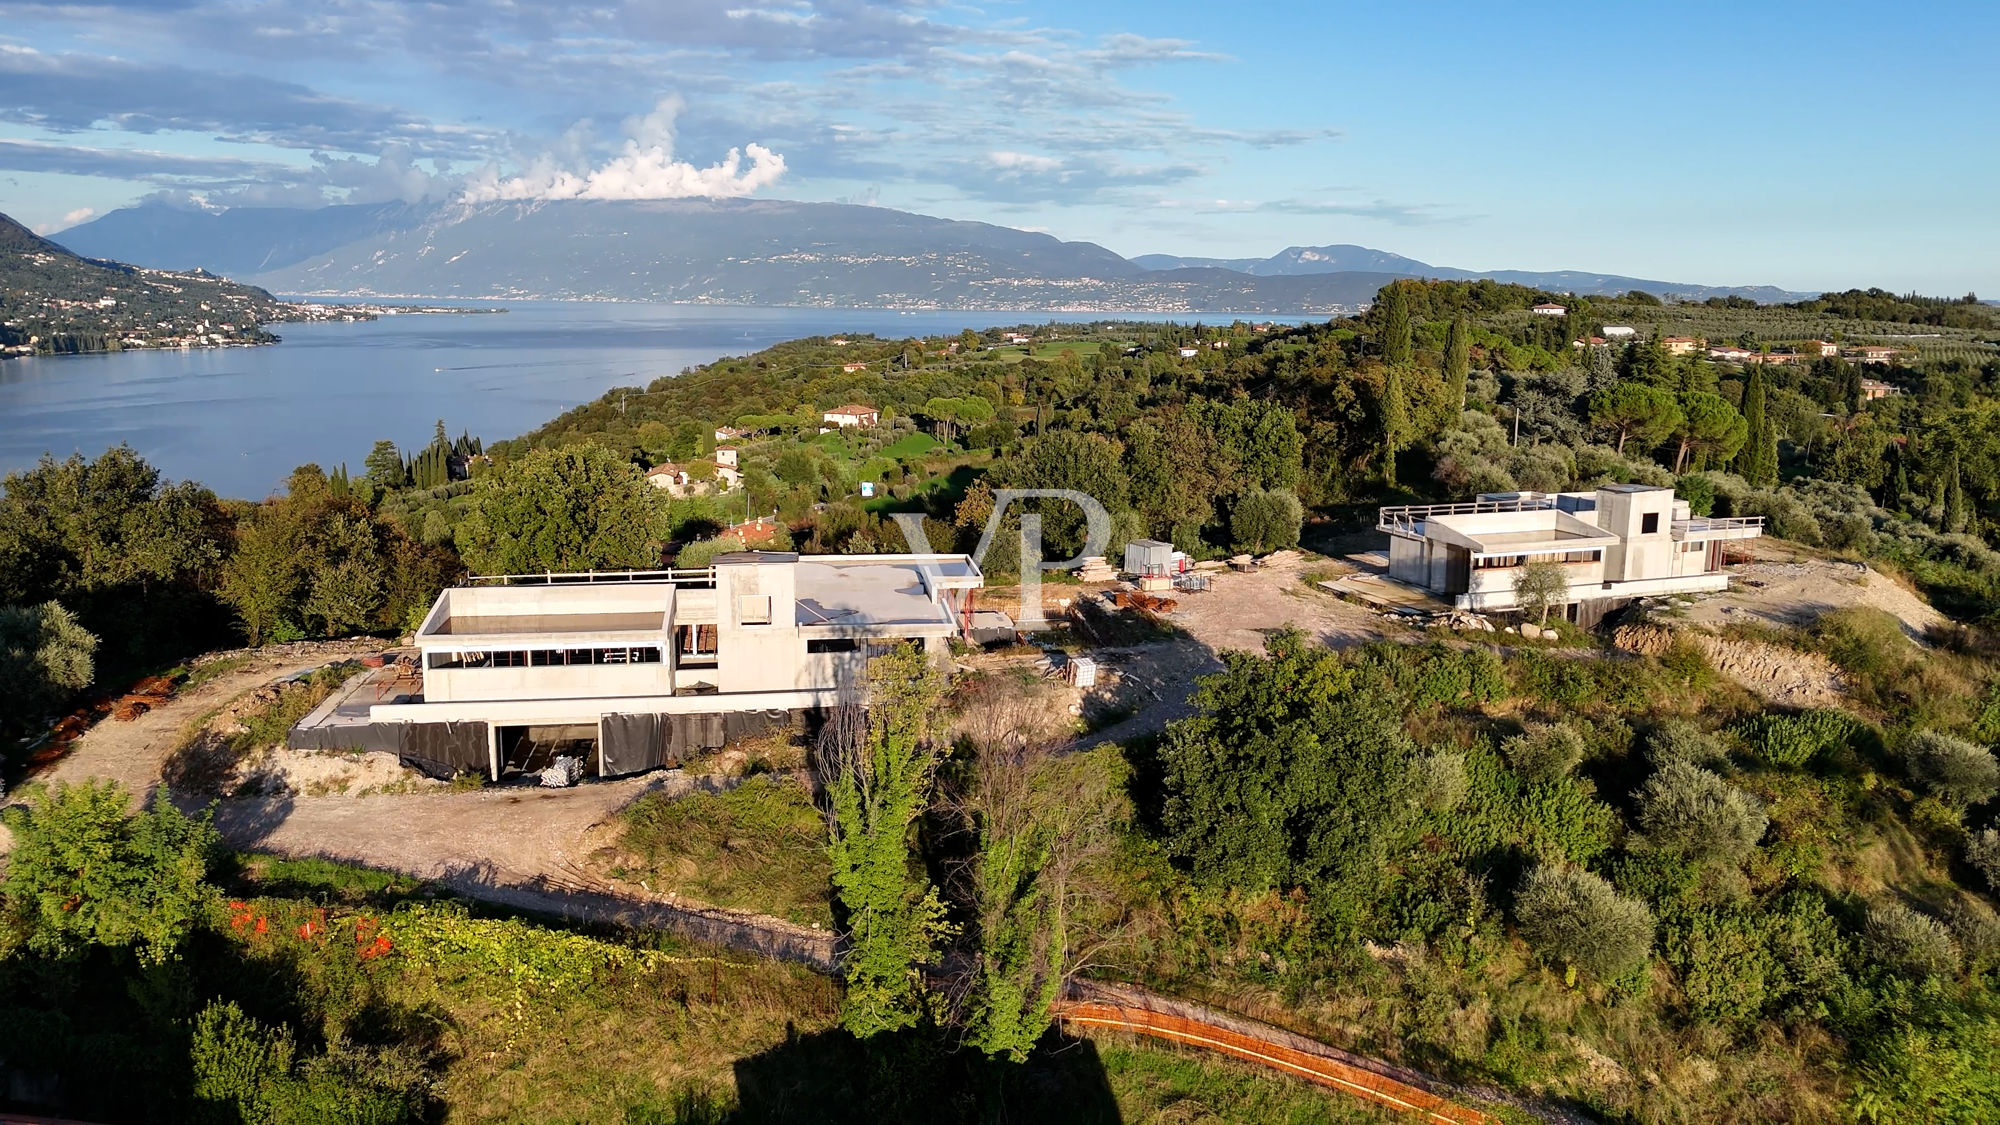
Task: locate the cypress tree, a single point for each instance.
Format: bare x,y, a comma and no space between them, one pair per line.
1899,486
1395,324
1457,359
1395,421
1957,511
1759,460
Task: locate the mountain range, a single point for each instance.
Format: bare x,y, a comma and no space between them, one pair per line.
756,252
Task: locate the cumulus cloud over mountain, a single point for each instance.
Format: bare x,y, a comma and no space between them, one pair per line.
645,169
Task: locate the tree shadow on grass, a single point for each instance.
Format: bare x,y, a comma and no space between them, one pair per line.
920,1075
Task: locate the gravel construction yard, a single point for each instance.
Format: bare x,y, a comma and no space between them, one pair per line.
1786,585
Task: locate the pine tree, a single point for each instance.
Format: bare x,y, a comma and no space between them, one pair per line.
1457,359
1395,422
1395,324
1957,512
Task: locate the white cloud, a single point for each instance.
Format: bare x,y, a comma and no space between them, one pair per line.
646,169
80,214
1024,162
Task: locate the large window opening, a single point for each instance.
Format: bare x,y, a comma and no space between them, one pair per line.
694,646
546,657
1649,523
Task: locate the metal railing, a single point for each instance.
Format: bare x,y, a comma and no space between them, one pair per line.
1718,523
684,576
1408,518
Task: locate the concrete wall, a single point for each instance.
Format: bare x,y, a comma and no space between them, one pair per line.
1406,560
754,657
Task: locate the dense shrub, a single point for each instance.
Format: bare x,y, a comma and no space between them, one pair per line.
1908,942
1777,959
1439,781
1982,851
1435,674
1574,917
1976,929
1951,768
1687,809
1794,740
1678,740
1544,753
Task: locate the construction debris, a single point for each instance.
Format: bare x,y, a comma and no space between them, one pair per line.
1141,600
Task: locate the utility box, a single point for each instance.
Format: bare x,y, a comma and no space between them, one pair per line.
1149,558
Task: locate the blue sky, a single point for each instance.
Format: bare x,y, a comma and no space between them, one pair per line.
1802,145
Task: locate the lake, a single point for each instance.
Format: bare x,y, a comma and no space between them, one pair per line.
240,419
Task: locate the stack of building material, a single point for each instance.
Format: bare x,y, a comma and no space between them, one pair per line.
1081,671
1095,568
562,773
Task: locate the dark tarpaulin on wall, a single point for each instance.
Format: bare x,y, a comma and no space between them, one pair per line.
445,750
386,737
631,743
636,743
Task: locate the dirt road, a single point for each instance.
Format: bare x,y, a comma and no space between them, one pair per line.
132,753
521,847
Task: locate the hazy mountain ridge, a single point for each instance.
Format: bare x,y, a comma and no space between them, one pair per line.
757,252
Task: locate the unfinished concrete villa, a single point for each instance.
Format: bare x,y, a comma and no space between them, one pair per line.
635,670
1617,543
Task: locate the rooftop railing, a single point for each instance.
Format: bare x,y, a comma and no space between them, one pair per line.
1409,517
684,576
1718,523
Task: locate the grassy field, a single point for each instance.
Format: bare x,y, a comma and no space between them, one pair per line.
758,847
695,1036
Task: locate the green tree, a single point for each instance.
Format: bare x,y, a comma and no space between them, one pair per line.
1957,510
1571,916
46,657
573,508
878,771
86,872
1293,773
1040,816
1395,422
1710,430
1395,324
1457,361
1635,410
384,467
1266,520
1758,460
1690,811
1541,585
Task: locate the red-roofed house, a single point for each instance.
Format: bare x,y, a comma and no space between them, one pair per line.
853,414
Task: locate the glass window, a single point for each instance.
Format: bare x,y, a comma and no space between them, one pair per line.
1649,523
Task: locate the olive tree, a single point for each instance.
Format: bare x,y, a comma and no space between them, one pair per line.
1572,916
1686,809
1541,585
1544,753
1910,943
1952,769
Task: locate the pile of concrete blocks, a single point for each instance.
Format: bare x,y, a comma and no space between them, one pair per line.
562,773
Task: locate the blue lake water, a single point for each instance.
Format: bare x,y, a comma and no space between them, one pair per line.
240,419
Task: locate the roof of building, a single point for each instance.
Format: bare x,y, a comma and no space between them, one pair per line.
852,408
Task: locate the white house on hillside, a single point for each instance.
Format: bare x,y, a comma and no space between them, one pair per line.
635,670
1619,542
853,414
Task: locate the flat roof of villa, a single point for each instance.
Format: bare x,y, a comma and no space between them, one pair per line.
876,592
